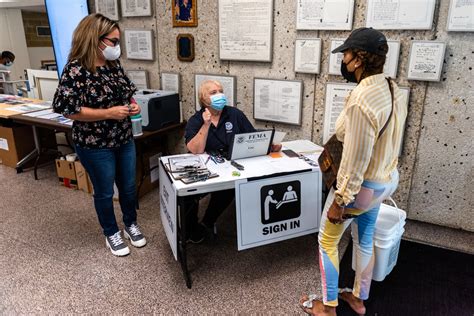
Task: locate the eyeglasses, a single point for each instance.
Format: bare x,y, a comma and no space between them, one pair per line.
114,41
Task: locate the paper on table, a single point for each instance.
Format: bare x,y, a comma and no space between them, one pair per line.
302,146
278,137
39,113
49,116
27,107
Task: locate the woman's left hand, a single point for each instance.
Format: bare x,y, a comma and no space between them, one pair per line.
135,109
276,147
335,213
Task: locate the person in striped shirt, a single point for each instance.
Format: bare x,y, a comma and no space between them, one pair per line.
371,129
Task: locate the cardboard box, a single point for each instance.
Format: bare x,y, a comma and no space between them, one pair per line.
66,173
16,141
83,181
149,173
73,175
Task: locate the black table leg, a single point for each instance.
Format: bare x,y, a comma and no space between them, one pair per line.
183,209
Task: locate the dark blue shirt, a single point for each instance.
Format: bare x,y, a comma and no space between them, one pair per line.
232,121
185,11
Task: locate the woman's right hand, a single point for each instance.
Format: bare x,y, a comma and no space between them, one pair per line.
118,112
206,116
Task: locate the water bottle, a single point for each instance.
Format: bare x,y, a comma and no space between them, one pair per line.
137,125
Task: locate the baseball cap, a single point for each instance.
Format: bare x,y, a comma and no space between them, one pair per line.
366,39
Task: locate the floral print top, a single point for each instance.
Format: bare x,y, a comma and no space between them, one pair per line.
106,88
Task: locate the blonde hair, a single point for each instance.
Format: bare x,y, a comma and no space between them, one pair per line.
86,38
204,87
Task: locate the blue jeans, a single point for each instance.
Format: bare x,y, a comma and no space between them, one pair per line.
106,166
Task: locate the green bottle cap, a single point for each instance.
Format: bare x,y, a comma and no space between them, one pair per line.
138,116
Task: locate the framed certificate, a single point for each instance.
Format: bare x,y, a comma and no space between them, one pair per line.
131,8
139,44
108,8
139,78
336,94
406,101
278,100
426,60
391,63
324,14
461,16
170,82
228,84
245,30
307,55
335,60
400,14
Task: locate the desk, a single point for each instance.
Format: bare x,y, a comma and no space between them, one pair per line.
36,122
261,175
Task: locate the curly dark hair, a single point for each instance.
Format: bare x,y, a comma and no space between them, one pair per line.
372,63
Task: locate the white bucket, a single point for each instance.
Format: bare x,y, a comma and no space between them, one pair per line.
387,237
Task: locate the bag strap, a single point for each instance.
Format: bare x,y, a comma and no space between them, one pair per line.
391,111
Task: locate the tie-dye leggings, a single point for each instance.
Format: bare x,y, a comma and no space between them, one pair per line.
363,227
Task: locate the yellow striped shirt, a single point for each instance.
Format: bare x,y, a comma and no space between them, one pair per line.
365,157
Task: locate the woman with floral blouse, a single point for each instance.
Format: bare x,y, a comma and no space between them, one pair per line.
95,92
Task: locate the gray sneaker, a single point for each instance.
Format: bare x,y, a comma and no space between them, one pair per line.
136,237
116,245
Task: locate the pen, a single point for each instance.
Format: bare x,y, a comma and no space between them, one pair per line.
207,159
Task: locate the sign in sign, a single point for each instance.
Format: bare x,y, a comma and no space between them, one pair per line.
277,208
168,210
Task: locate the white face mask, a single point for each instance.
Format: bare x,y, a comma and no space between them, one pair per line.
111,53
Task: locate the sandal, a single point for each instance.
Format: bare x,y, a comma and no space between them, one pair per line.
306,304
342,295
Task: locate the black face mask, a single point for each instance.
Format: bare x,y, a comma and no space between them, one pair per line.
349,76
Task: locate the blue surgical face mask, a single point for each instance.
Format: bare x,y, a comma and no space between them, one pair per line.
9,64
218,101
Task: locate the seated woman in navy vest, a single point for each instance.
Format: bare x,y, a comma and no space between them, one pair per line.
212,130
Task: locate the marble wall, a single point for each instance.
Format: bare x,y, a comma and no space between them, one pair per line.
436,170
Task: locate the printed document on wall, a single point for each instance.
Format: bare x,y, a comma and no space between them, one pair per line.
324,14
336,94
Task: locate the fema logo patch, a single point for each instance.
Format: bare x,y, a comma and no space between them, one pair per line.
228,126
240,139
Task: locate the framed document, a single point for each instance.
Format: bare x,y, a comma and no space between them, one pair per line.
108,8
406,101
228,83
336,94
132,8
324,14
184,12
139,44
461,16
391,63
426,60
307,55
139,78
278,100
245,30
170,82
335,60
400,14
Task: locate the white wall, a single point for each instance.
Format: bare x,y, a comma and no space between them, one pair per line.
12,38
37,54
